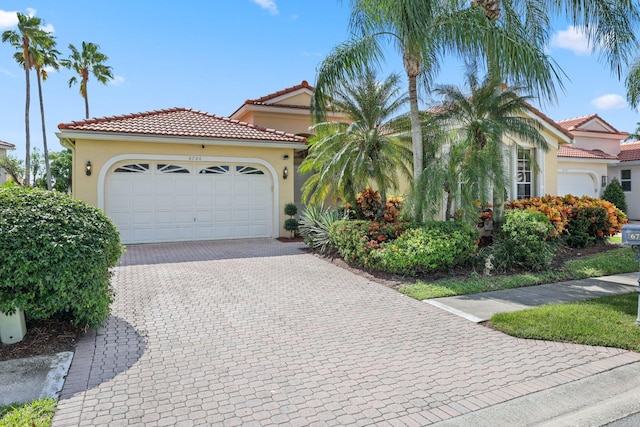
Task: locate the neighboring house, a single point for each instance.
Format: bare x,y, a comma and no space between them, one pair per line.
583,167
179,174
627,171
4,147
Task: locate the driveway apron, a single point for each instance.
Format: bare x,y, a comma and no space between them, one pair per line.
258,332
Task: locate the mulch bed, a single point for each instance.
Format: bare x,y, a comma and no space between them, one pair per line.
43,337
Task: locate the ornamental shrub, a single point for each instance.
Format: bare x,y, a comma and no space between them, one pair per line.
565,215
357,240
55,254
432,247
614,193
368,204
522,242
315,223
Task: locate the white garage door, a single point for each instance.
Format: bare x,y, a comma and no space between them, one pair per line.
577,184
175,201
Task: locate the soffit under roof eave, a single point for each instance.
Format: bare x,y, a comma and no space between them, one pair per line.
586,160
598,134
121,137
270,107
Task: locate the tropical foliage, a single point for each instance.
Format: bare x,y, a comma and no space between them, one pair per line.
579,220
27,39
89,60
434,246
473,128
522,243
315,223
14,167
366,149
422,32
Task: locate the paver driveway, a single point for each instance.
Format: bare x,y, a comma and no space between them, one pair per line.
258,332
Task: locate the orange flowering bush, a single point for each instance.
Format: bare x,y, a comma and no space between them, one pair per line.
580,220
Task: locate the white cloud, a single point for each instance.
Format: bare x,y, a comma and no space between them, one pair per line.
31,11
269,5
573,39
610,101
117,81
8,19
48,28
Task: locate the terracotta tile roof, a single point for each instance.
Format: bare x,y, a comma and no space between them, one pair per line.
6,145
569,150
181,122
629,151
550,121
263,99
576,122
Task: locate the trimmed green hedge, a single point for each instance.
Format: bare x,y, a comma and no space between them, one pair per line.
55,255
522,241
434,246
404,248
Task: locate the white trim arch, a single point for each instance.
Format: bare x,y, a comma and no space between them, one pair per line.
104,170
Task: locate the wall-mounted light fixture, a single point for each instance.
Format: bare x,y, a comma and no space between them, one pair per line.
88,168
604,181
285,173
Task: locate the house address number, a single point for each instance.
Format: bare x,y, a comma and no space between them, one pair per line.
195,158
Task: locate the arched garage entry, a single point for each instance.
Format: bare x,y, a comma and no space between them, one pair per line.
168,200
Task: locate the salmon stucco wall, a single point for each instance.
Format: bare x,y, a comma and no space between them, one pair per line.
102,153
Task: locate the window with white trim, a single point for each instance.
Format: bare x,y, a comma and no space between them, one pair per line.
625,179
524,174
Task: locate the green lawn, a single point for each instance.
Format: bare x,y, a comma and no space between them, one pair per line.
602,264
606,321
38,413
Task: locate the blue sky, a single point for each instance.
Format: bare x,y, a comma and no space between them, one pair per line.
211,56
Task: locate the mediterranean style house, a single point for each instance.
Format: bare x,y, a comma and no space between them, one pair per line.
179,174
4,147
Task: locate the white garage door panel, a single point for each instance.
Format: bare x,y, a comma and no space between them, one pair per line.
577,184
164,201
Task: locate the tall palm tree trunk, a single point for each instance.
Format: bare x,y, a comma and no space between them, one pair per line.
86,104
27,159
44,133
412,68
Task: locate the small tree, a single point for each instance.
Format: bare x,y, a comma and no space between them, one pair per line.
614,193
13,167
291,224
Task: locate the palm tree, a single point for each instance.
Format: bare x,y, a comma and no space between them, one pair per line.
346,157
609,25
45,56
88,61
423,31
29,33
635,135
476,126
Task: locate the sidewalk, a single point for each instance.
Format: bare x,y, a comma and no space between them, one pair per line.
480,307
